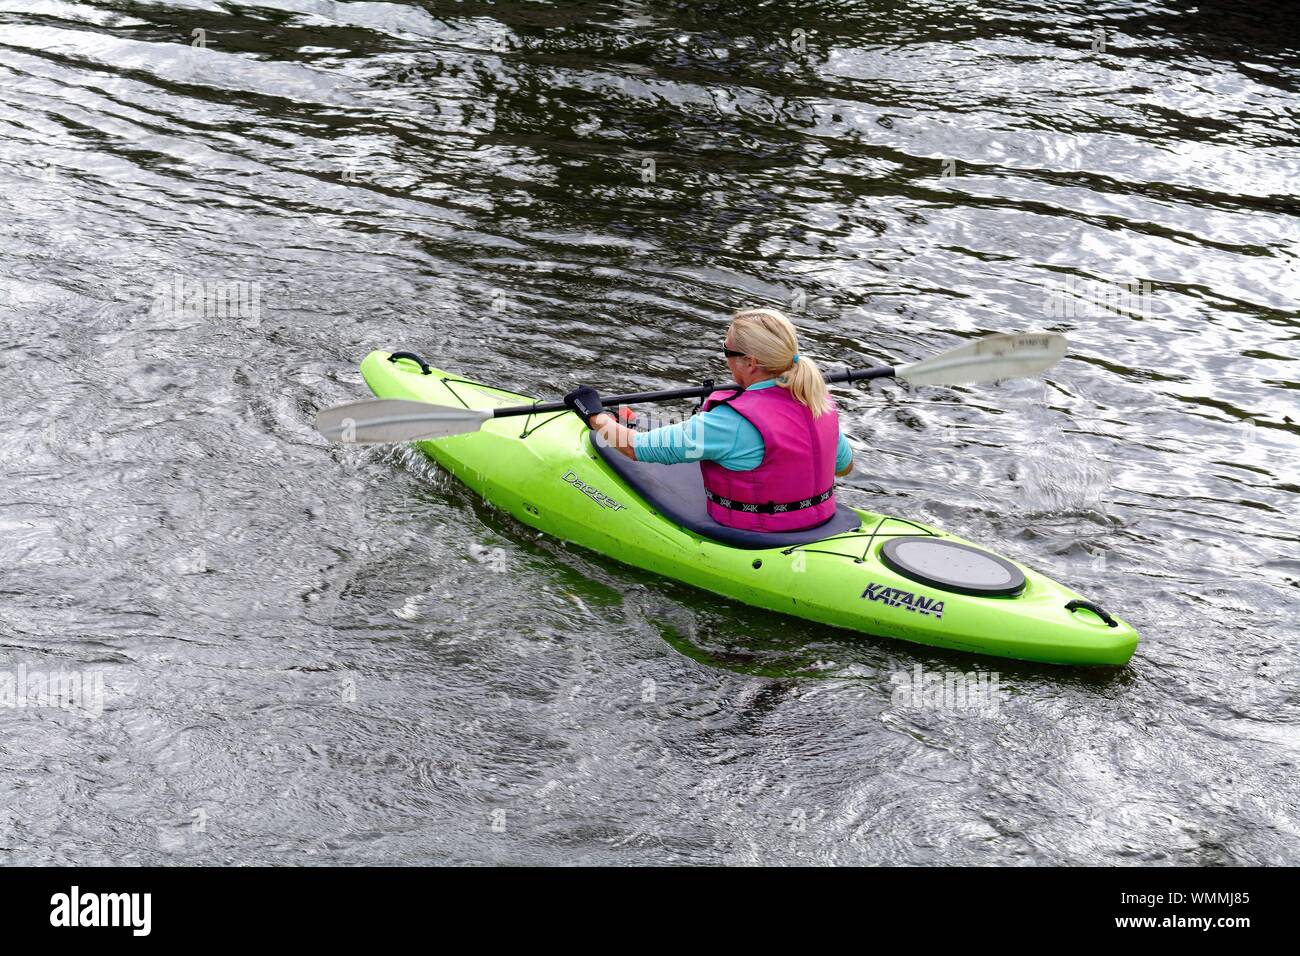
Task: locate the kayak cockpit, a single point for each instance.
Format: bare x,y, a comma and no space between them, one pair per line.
677,493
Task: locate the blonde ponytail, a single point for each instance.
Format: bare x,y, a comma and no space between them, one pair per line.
768,337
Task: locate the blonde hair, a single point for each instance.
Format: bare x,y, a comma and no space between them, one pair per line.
768,337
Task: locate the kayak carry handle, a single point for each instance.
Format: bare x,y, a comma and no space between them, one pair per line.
1095,609
424,366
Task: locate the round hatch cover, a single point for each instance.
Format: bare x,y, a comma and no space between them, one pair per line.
952,567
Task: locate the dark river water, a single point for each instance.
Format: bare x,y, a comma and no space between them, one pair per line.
298,653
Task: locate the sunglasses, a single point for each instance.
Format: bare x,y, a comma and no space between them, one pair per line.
732,353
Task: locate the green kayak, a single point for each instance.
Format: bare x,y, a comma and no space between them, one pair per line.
867,572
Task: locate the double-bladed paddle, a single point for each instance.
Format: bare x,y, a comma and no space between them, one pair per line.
987,359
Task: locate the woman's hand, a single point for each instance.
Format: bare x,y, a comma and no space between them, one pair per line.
585,402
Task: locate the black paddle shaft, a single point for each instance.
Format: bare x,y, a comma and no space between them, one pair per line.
850,375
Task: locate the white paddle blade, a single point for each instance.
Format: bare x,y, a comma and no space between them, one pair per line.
381,420
988,359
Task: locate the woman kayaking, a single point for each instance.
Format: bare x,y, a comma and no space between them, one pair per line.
902,580
769,451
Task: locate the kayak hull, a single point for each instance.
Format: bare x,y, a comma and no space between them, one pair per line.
545,472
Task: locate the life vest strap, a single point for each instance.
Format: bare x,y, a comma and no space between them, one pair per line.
771,507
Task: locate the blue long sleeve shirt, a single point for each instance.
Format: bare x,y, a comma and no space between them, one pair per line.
721,434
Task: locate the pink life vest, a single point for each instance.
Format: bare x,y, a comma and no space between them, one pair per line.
794,486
